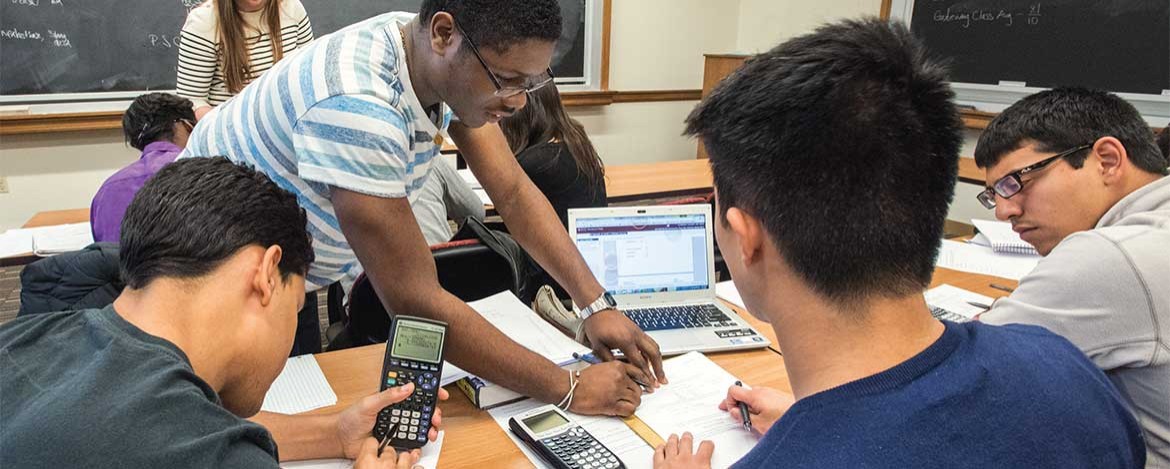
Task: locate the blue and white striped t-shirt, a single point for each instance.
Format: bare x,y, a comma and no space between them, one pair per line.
340,112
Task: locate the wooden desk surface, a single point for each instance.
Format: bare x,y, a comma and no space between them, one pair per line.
474,439
663,179
57,217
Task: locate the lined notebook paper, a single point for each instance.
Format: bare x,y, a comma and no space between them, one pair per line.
1001,238
301,387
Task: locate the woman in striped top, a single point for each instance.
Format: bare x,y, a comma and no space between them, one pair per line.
216,62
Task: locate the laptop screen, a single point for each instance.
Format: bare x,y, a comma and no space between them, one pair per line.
645,253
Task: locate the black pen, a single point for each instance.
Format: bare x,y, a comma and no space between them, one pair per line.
979,305
593,360
743,409
386,439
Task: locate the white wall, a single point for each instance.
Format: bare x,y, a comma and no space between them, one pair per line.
765,23
56,171
656,45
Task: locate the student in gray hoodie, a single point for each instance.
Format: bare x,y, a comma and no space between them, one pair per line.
1078,175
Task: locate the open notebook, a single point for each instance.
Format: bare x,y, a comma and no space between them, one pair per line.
998,236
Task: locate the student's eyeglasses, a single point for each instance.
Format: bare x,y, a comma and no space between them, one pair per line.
1013,183
533,83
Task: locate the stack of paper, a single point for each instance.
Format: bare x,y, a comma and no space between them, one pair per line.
53,240
300,387
1000,237
521,324
982,260
47,240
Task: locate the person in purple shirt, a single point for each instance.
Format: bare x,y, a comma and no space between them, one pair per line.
158,124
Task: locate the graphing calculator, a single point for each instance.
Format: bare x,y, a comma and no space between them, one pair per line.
560,441
414,354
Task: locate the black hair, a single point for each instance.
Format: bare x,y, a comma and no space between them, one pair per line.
1063,118
844,143
1164,143
152,116
197,212
498,24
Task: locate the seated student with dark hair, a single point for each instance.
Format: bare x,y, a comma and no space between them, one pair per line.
832,241
214,257
157,124
1078,175
556,154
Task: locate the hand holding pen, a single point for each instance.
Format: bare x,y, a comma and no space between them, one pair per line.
759,408
593,360
375,454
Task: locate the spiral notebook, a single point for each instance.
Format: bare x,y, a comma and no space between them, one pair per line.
998,236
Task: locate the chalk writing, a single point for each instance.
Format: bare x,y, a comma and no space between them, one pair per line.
1007,18
22,34
163,40
59,39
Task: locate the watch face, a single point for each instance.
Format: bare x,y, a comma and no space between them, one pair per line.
609,299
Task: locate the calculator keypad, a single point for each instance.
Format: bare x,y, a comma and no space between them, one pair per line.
579,450
412,415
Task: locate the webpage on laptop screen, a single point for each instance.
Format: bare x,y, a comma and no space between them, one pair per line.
645,253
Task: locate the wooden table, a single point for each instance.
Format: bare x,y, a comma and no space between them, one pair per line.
57,217
652,180
474,439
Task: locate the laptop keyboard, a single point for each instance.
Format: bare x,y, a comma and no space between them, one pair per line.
678,317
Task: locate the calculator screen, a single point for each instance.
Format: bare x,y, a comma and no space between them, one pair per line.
541,423
418,341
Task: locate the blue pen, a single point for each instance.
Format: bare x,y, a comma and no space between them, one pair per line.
587,358
593,360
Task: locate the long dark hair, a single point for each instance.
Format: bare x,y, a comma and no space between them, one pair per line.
233,47
543,119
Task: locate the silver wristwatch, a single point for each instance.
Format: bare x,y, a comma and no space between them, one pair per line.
602,303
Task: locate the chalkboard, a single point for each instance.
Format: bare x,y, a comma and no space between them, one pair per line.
1117,45
87,49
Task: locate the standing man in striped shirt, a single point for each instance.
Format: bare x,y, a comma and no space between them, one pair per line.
351,125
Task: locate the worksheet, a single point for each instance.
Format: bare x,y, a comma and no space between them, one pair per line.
691,403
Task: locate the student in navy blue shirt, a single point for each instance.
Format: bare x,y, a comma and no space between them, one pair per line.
835,157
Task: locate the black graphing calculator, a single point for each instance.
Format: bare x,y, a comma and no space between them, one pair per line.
414,354
560,441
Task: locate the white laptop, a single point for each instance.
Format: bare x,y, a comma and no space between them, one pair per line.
659,264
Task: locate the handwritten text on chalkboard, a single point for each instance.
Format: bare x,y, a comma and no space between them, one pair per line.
966,18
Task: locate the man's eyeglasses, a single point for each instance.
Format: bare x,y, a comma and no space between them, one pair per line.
1012,183
533,83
